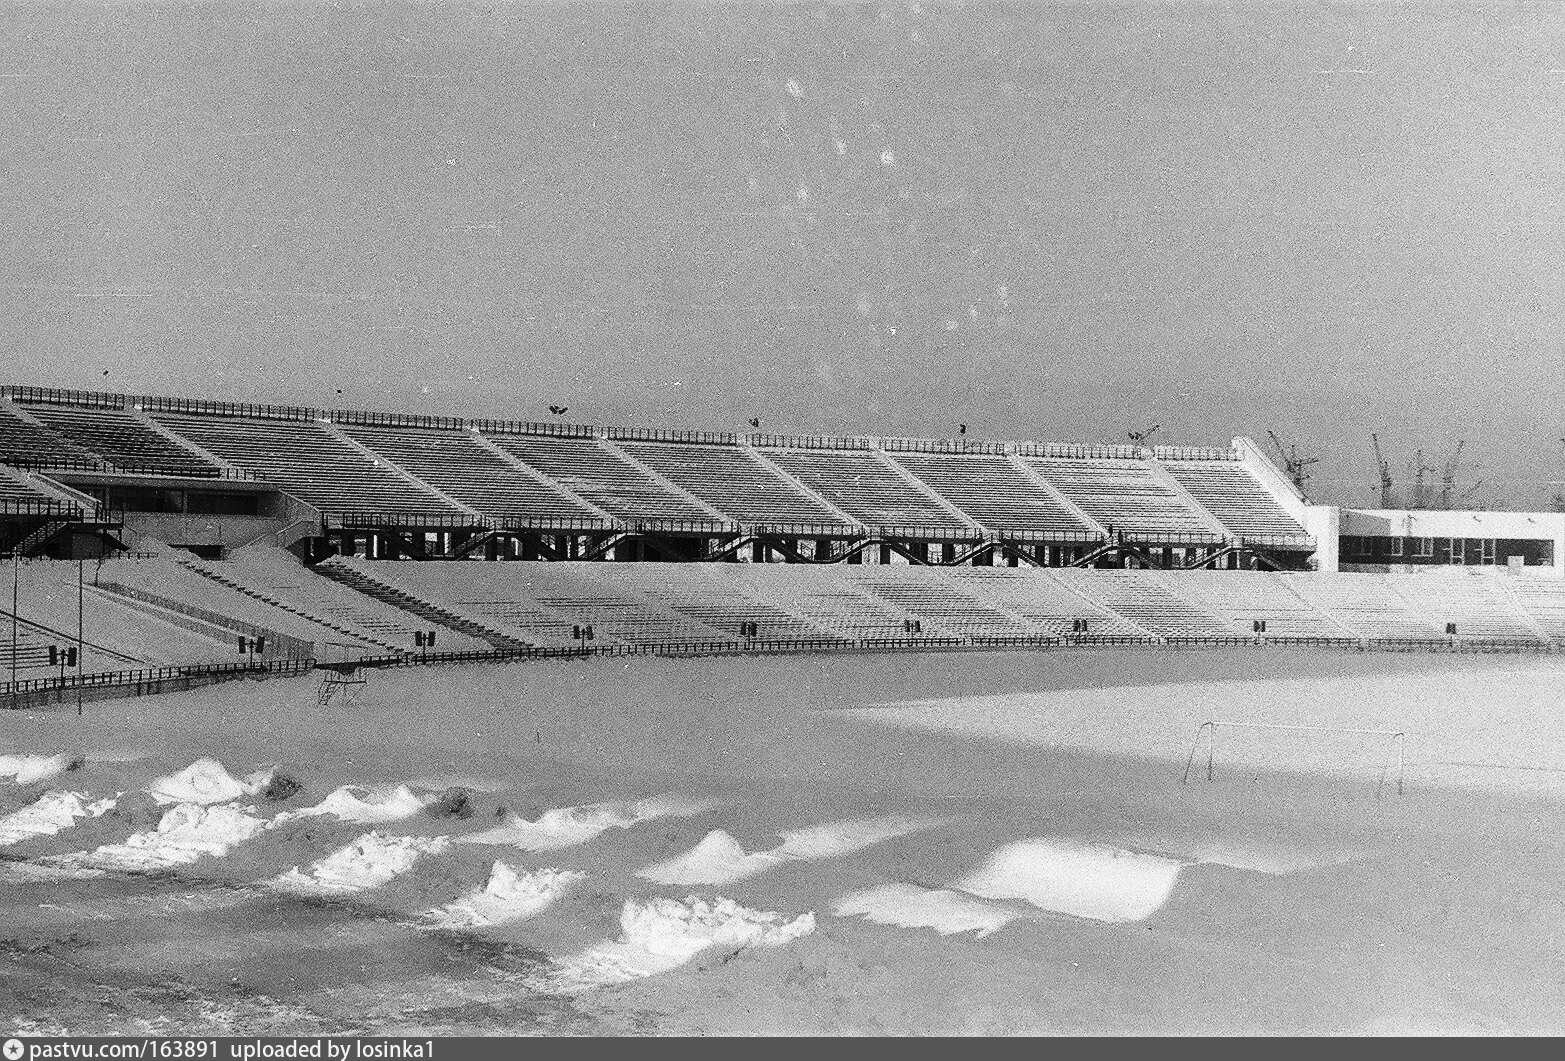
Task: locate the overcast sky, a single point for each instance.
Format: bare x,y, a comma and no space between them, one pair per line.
1051,221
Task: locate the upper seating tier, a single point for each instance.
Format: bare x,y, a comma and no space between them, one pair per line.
601,478
307,461
455,463
122,440
1125,496
860,485
733,481
1235,497
994,492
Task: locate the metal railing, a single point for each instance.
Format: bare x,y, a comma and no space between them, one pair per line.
832,442
287,645
657,434
57,396
143,681
238,410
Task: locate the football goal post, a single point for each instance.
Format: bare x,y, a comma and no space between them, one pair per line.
1394,760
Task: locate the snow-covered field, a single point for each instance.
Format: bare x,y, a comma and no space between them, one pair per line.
974,843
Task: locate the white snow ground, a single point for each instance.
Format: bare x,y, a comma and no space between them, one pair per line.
569,826
663,934
51,813
508,896
368,862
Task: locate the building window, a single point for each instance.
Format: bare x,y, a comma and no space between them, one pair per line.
1396,546
1423,548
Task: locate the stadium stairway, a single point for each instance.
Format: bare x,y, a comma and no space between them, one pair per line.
338,570
222,579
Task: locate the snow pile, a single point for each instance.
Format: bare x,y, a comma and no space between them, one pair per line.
663,934
353,803
52,812
28,769
187,832
841,838
568,826
1085,880
368,862
205,781
909,906
718,858
1275,859
508,896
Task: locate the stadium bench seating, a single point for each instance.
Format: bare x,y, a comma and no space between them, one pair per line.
1145,601
1364,603
1124,495
1043,601
732,481
858,484
1231,494
1543,601
601,478
455,464
992,491
942,603
174,580
29,446
122,440
18,495
305,460
275,574
1242,597
1476,603
821,597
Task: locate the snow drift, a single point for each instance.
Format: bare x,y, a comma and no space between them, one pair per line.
188,831
663,934
205,781
354,803
368,862
909,906
52,812
509,896
568,826
1085,880
718,858
30,769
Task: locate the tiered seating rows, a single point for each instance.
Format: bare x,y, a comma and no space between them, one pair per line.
732,481
992,491
1231,494
29,445
122,440
462,468
858,484
599,477
1124,495
307,461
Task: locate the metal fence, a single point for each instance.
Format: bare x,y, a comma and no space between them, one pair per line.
152,680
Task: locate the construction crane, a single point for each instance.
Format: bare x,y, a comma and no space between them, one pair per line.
1418,471
1448,477
1385,473
1292,463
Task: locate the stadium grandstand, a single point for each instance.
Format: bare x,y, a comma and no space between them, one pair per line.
202,529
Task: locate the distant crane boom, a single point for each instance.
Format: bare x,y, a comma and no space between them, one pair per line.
1385,473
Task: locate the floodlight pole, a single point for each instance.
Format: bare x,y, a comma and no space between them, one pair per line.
81,656
16,581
